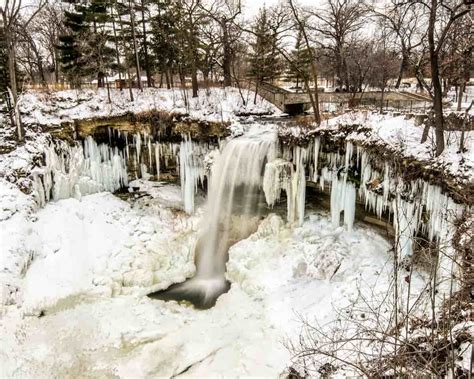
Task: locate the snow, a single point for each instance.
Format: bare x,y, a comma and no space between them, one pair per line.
75,273
95,319
403,135
101,244
213,104
397,134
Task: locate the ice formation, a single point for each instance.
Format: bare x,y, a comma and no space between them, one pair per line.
277,177
252,161
297,191
192,170
352,178
290,177
74,171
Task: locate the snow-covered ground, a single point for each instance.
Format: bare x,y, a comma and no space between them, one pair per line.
214,104
81,308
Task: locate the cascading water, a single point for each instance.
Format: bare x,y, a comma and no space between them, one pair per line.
232,213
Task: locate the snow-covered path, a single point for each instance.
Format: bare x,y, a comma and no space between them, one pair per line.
83,310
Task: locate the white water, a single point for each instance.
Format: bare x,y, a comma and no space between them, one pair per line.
231,212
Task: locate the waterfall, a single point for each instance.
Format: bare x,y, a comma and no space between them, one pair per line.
236,179
231,213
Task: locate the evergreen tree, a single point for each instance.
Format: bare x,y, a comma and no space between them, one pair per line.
299,69
85,49
69,45
164,39
264,59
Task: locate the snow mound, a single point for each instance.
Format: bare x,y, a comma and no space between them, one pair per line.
98,246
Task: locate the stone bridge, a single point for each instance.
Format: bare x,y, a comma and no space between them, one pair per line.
297,102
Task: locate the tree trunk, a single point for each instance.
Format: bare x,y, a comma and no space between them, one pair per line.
460,92
127,66
313,98
14,87
381,99
145,48
227,55
56,65
435,78
403,66
108,91
117,53
237,82
167,77
135,49
465,127
194,80
256,91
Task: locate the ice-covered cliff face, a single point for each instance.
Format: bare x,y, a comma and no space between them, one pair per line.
89,167
74,171
415,207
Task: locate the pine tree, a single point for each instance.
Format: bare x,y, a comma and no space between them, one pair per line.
69,45
300,60
85,50
264,59
164,39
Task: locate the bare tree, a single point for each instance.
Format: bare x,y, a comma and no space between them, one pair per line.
302,28
11,16
335,24
47,28
404,22
189,20
384,61
225,13
440,16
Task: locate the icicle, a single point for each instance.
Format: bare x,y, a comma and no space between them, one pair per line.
157,160
296,191
127,148
138,146
316,147
275,179
78,170
150,161
343,199
349,205
386,185
405,222
191,171
348,156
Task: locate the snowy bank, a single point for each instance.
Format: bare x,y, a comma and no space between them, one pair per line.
214,104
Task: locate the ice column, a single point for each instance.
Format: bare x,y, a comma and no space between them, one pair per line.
191,171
